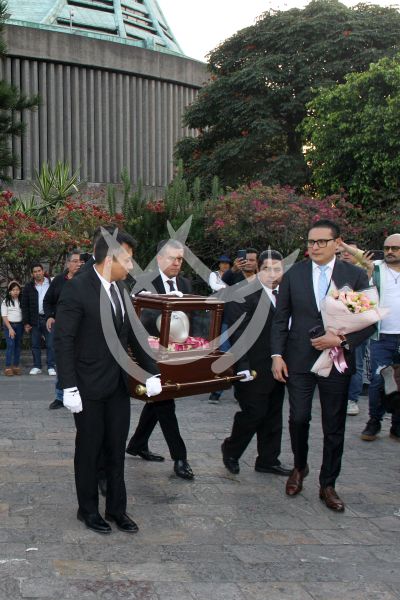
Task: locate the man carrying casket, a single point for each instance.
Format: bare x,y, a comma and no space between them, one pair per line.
92,335
169,259
260,400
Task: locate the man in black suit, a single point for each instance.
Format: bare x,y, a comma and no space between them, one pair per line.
294,353
92,334
260,400
169,260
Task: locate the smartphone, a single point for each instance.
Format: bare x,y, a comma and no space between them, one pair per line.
242,254
377,254
316,331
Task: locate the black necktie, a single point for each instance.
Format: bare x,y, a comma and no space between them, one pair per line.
118,310
275,293
171,285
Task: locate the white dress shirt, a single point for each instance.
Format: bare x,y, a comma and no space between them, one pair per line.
270,295
165,279
41,290
107,285
316,272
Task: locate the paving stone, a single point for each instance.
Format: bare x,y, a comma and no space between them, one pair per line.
274,591
219,537
350,591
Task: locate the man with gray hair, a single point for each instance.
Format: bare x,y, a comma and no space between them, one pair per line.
385,347
166,280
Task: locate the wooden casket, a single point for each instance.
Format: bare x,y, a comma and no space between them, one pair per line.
187,368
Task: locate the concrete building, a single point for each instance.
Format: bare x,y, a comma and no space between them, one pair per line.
113,84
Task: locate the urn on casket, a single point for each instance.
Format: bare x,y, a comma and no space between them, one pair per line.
185,359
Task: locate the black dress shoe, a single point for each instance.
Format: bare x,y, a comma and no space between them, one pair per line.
94,522
274,469
232,464
145,454
182,469
56,404
123,522
102,483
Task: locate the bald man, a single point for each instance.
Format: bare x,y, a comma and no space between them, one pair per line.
385,348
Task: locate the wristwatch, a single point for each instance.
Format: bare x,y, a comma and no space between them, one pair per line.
343,342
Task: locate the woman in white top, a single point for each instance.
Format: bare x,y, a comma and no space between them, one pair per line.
215,280
13,328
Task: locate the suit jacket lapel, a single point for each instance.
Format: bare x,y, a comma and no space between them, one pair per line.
309,285
159,285
338,275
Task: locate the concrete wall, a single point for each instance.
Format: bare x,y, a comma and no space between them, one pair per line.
104,105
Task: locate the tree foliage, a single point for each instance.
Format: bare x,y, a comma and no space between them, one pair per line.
263,77
12,103
353,139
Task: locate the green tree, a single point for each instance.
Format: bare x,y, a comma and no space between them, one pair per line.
263,77
12,102
352,134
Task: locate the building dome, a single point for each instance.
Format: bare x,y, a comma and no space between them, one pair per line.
137,22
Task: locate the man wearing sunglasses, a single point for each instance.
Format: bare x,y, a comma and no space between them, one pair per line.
295,349
385,348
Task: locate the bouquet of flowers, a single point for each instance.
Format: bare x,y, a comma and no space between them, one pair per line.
346,311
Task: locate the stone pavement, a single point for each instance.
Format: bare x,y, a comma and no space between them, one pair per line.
220,537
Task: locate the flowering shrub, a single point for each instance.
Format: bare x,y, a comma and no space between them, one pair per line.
261,216
24,238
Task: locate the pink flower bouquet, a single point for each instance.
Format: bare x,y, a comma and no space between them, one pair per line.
346,311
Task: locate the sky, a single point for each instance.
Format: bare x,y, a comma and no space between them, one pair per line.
200,25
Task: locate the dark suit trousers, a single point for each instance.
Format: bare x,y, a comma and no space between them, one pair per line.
103,425
333,397
261,413
162,412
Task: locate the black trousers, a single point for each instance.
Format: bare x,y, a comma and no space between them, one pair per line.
261,405
333,397
102,426
162,412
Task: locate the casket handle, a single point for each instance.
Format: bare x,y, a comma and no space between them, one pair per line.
140,389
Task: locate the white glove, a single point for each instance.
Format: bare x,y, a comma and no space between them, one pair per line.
153,386
72,399
246,376
176,293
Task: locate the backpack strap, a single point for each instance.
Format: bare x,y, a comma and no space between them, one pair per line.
376,278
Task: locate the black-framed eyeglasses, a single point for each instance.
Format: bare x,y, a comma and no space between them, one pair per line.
389,248
320,243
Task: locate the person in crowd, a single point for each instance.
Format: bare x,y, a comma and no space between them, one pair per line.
50,301
168,279
215,280
13,328
242,268
92,335
260,400
35,321
351,253
384,346
294,350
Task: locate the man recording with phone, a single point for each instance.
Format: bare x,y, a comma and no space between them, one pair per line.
244,267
